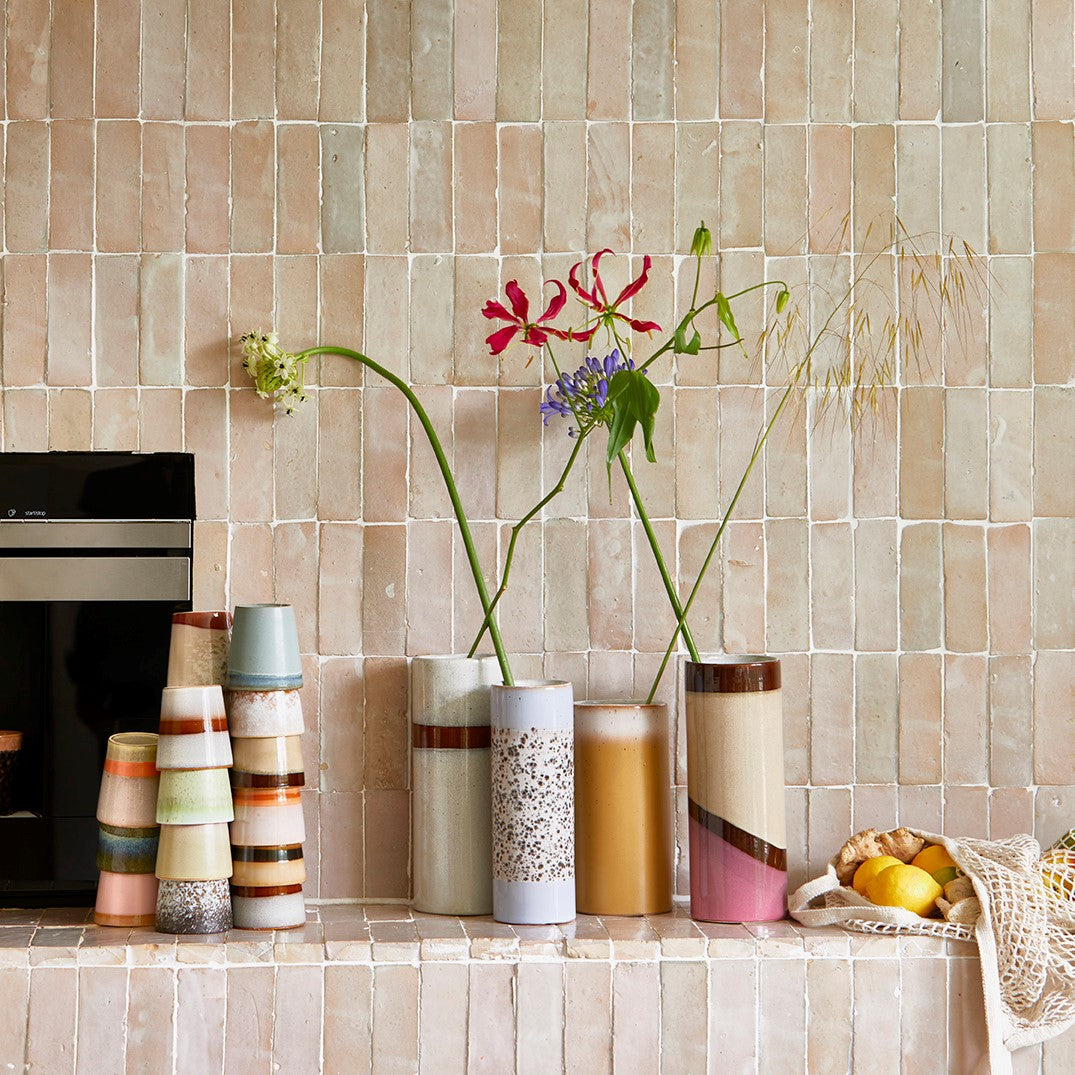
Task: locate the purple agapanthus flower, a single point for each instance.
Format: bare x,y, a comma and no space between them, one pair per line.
585,392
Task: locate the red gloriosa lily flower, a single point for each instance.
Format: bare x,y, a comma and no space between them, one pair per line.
597,300
519,315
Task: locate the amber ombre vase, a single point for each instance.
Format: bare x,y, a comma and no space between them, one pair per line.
735,789
623,809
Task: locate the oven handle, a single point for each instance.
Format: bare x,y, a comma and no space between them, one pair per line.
94,534
95,578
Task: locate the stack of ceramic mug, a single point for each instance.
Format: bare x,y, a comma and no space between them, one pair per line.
194,801
264,677
127,843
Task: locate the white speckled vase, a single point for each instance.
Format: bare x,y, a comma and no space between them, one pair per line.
452,826
533,775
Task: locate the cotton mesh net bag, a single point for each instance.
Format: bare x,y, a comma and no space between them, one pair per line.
1025,932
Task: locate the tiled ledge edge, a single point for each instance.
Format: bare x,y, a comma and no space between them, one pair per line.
388,934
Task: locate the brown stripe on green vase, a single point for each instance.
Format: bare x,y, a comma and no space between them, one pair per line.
720,677
195,726
250,892
240,779
283,853
451,737
744,841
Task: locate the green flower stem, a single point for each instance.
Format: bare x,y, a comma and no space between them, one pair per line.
793,381
449,481
489,623
682,627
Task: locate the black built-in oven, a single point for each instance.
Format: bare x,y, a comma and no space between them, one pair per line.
95,556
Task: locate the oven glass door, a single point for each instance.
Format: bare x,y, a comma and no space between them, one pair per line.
71,674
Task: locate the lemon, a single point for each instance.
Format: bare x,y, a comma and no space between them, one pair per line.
869,870
905,886
1058,872
936,861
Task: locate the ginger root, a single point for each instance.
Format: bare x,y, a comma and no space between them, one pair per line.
965,911
959,888
899,843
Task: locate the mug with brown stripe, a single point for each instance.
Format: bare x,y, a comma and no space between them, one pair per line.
193,729
128,795
268,762
268,906
267,817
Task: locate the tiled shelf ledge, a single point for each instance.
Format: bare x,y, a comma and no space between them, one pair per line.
377,988
385,933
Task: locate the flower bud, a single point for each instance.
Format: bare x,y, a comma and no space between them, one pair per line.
702,243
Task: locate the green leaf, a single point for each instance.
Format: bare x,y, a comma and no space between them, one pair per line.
634,402
682,346
782,300
724,312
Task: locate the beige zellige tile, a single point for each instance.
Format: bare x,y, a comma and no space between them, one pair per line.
118,186
652,61
966,738
1010,455
922,472
442,1042
431,29
295,461
253,186
608,156
740,219
1007,62
795,676
918,173
27,77
342,81
829,1000
966,810
115,420
295,548
343,747
830,186
71,81
828,812
741,59
102,1004
787,621
298,49
1054,451
564,224
588,1016
874,183
1011,203
427,493
1010,589
608,76
69,307
609,599
163,62
475,71
782,1000
521,192
923,1021
784,199
697,179
14,989
1011,812
1054,576
297,1023
919,61
386,190
339,495
490,1023
966,489
51,1019
71,155
876,1015
476,281
201,1003
963,186
697,52
160,319
1011,719
518,84
832,585
211,563
742,558
341,828
564,56
832,718
683,1015
297,157
831,45
151,1018
876,583
25,338
205,334
1011,319
636,1015
733,1014
540,1017
384,588
250,454
250,572
876,718
163,197
429,583
474,183
384,459
965,622
387,823
1054,186
566,625
26,186
786,61
208,62
253,78
920,695
385,305
160,413
431,186
249,1021
340,299
1054,341
962,61
348,1009
1053,59
876,67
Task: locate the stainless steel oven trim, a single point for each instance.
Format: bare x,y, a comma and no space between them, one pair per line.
94,534
94,578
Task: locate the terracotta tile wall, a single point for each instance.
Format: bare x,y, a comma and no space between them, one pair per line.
370,174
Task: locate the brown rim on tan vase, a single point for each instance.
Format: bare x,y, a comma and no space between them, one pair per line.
623,808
